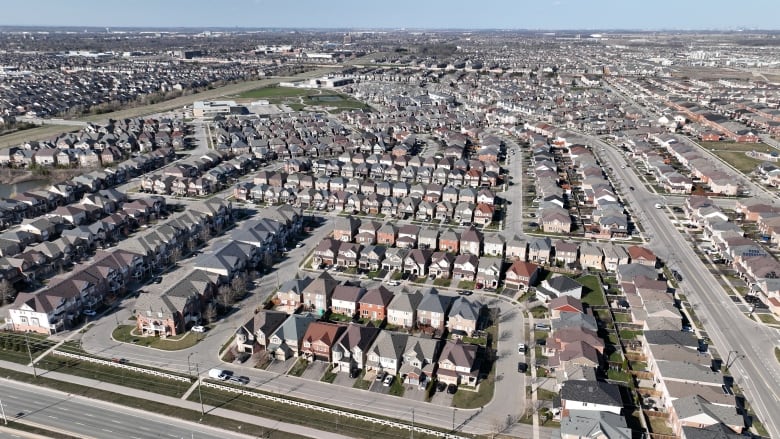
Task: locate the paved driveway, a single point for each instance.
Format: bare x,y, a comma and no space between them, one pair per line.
281,366
316,370
343,379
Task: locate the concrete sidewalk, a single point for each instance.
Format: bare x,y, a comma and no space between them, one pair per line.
176,402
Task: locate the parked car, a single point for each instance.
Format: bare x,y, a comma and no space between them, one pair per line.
89,312
119,360
465,292
157,279
521,348
239,380
243,357
299,245
380,376
440,386
198,328
542,327
522,367
452,389
388,380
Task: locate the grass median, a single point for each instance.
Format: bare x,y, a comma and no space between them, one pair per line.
149,406
114,375
14,346
304,416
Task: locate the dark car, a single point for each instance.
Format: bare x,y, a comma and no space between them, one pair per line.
465,292
452,389
440,386
157,279
522,367
243,357
353,373
677,275
631,187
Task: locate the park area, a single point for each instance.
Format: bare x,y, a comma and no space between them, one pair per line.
734,153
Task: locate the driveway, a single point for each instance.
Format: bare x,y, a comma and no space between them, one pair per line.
281,367
443,399
343,379
316,370
412,391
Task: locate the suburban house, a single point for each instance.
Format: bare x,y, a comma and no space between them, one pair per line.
465,267
488,272
432,310
441,265
465,317
419,360
591,396
560,285
345,299
373,305
350,352
290,294
458,364
319,339
402,310
254,334
317,295
285,342
386,354
521,275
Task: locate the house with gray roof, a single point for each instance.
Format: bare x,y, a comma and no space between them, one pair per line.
432,310
594,396
560,286
419,359
465,316
285,342
386,353
592,424
350,351
254,334
695,411
402,310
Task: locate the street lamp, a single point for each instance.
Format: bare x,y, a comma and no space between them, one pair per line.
200,395
729,361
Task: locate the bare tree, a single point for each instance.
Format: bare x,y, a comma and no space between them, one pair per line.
225,296
238,286
7,291
210,313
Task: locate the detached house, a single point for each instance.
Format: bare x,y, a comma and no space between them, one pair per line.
418,360
350,352
345,299
374,303
317,295
255,334
402,310
458,364
521,274
432,310
285,342
464,317
319,339
386,354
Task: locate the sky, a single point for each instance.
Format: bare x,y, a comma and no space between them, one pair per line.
411,14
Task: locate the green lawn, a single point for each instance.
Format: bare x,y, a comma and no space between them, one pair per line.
467,399
13,346
659,426
539,312
114,375
397,388
329,376
592,292
545,394
622,317
466,285
397,275
123,333
151,406
442,282
767,318
734,146
739,160
619,375
274,93
299,367
626,334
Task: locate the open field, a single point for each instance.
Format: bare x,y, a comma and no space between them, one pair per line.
300,98
733,146
738,160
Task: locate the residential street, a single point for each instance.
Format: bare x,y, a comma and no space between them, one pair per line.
758,372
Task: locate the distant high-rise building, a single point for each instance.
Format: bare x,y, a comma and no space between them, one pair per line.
347,39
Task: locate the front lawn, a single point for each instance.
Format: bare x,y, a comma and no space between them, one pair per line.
125,334
466,285
329,376
397,388
397,275
299,367
442,282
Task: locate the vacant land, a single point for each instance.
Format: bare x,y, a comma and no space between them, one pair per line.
303,98
739,160
733,146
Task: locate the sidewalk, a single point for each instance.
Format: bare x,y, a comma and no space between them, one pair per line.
176,402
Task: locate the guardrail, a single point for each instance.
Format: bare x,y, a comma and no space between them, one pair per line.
332,411
123,366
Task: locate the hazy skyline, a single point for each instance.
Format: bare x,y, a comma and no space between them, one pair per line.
431,14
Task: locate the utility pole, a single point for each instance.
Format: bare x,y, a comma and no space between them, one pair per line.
29,352
200,395
412,430
189,368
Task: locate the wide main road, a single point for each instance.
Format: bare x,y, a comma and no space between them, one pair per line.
83,417
755,369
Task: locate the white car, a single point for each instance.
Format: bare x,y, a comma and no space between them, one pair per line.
198,328
388,380
89,312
